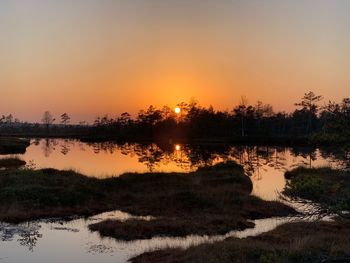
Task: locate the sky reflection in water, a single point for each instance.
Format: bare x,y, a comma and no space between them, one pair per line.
265,164
67,241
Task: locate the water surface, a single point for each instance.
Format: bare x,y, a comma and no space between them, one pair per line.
56,242
264,164
43,241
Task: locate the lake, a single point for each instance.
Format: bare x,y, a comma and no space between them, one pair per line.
56,241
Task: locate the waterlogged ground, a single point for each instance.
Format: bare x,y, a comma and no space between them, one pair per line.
56,241
72,241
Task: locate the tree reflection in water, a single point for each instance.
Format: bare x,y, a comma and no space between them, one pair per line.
28,233
29,239
49,146
254,159
65,147
341,156
150,155
190,157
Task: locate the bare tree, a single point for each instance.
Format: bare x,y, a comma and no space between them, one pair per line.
47,119
241,112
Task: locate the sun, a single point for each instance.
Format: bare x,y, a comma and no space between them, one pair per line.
177,110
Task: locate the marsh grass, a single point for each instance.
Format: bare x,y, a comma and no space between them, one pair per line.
212,200
288,243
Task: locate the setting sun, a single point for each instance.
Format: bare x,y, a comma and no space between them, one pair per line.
181,111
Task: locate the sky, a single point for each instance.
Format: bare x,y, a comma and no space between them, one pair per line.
91,57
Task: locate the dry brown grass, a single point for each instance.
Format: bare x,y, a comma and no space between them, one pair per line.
294,242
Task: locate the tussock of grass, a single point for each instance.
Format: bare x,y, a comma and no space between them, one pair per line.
30,194
289,243
11,162
13,145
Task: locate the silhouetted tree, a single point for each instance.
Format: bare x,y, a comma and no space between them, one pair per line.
240,111
246,123
124,119
310,106
65,119
167,112
47,119
9,119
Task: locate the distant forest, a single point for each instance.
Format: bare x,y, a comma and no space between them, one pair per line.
308,123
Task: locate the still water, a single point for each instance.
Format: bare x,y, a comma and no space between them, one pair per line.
55,241
58,242
264,164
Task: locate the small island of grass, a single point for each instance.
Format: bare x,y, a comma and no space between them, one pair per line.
11,145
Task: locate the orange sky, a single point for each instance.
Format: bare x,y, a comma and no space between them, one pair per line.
90,57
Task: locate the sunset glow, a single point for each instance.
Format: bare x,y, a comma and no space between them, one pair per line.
162,128
90,58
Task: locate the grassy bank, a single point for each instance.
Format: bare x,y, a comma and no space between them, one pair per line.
328,187
212,200
289,243
11,162
9,145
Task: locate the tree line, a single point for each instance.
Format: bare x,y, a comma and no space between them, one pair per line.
310,121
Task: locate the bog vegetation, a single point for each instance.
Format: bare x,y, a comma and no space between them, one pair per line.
211,200
325,242
317,241
327,187
13,145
